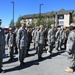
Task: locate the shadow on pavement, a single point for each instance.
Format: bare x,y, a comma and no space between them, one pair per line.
33,62
26,65
14,60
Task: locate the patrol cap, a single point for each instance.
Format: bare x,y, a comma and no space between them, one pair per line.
22,22
41,26
72,24
58,28
10,29
52,25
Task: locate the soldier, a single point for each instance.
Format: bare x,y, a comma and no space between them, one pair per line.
2,47
22,41
45,37
34,33
40,40
51,39
29,41
15,40
10,42
59,38
66,32
36,43
70,48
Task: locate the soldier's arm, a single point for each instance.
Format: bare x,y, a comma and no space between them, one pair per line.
49,35
38,37
18,38
71,43
3,40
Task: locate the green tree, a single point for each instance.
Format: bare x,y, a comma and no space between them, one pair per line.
11,23
52,15
18,22
33,22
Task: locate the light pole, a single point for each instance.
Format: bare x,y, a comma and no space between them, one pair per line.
40,11
13,12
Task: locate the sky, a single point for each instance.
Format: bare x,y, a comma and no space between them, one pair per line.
26,7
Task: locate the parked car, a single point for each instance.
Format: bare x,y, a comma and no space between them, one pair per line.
6,30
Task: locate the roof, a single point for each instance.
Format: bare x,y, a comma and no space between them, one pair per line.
62,11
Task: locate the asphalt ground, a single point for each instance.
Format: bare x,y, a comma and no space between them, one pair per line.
50,65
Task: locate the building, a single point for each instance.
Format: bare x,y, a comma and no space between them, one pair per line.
61,17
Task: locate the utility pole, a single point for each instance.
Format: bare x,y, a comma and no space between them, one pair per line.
13,12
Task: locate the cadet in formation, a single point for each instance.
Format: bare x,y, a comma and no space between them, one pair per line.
70,48
10,42
2,48
40,41
51,39
22,42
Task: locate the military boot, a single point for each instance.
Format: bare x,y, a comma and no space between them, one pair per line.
69,70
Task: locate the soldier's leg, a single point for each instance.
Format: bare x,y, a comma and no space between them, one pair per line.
65,43
16,49
22,54
28,46
34,44
48,51
56,45
40,50
48,48
1,59
51,47
11,52
71,64
36,47
60,44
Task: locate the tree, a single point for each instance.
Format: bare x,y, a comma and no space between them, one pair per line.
11,23
51,19
52,15
33,22
18,22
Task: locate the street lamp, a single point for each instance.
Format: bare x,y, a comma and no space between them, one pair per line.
0,21
40,11
13,12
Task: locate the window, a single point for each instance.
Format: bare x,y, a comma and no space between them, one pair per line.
60,16
61,23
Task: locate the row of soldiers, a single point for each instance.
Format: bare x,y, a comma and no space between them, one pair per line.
53,37
21,38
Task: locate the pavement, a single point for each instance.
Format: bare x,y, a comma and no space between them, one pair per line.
50,65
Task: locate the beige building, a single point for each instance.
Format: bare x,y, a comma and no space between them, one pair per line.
61,17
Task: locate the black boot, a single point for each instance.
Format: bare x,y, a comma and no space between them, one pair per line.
2,71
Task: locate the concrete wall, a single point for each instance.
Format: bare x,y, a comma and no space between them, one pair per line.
66,19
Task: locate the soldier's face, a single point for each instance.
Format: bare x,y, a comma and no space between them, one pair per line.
23,25
53,28
71,28
41,28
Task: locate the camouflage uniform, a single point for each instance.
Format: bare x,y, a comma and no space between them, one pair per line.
2,45
22,43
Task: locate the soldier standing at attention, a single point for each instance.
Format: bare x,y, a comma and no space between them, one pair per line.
51,39
22,41
2,47
40,40
10,42
36,43
70,48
